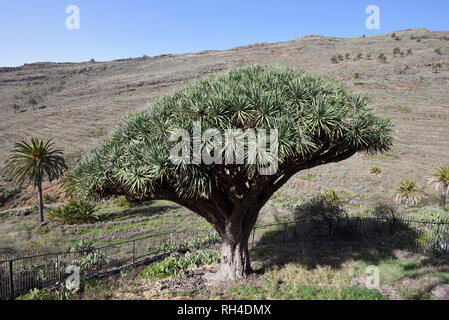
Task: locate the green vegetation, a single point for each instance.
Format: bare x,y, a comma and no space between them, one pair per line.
396,51
176,265
436,67
408,193
375,170
74,212
36,294
15,107
32,101
438,51
382,58
296,282
440,178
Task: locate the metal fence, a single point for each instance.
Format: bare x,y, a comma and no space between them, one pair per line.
20,274
397,232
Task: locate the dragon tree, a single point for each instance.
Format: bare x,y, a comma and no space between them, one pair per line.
308,121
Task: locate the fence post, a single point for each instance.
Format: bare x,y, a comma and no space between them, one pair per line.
59,268
134,251
11,279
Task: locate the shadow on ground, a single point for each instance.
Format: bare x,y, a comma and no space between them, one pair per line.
134,213
312,246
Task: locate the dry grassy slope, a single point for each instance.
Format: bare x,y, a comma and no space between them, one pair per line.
83,101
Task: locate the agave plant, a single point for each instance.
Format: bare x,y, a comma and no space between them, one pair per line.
32,162
375,170
332,196
440,177
408,193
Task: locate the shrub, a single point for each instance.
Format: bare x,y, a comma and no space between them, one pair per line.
396,51
208,239
175,265
15,107
388,213
375,170
432,215
87,256
347,55
368,56
356,75
359,56
321,213
122,202
36,294
436,66
438,51
409,52
334,58
340,57
74,212
382,58
48,198
32,101
393,35
333,197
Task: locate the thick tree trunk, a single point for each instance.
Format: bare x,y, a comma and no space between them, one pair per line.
41,204
235,262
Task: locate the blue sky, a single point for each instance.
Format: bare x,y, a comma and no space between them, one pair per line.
35,30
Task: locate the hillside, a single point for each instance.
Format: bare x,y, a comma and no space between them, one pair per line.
79,103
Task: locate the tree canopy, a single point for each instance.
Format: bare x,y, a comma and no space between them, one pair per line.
314,117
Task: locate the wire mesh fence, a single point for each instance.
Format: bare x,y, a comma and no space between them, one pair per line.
20,274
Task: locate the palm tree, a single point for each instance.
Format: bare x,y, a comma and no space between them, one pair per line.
440,177
33,161
409,193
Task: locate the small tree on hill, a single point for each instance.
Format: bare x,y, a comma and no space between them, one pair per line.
32,162
382,58
436,67
440,177
408,193
32,101
310,122
396,51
